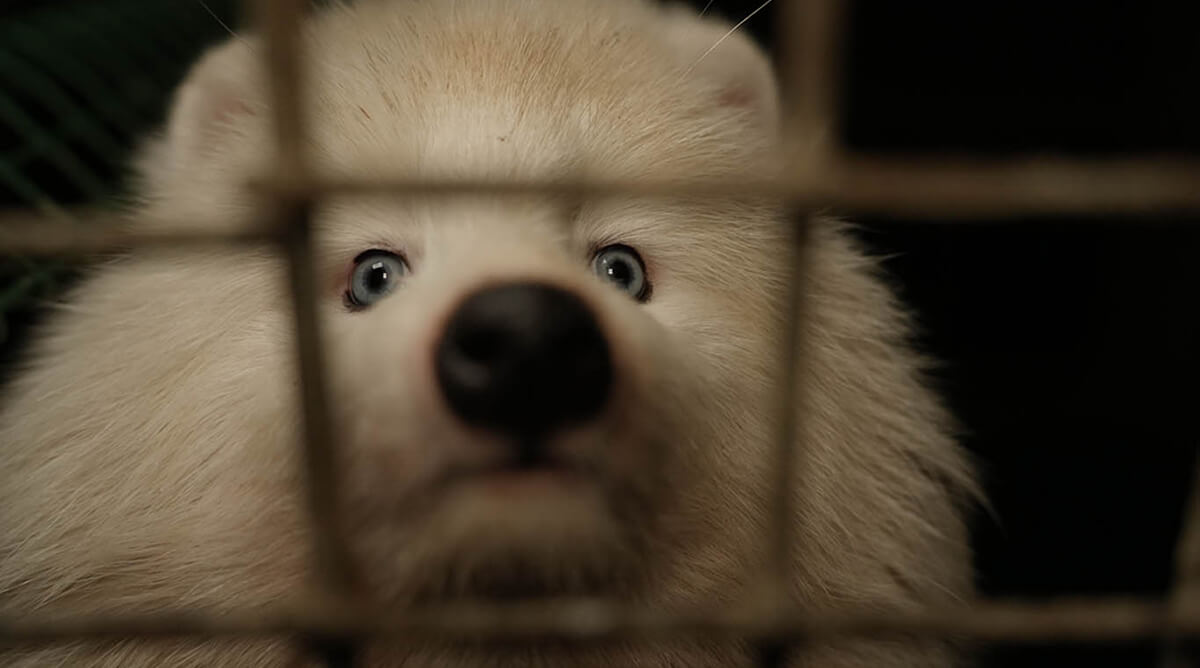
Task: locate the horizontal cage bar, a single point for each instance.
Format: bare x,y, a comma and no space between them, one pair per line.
938,188
896,185
82,232
1085,621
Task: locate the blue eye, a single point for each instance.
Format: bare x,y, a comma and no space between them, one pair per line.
376,273
623,267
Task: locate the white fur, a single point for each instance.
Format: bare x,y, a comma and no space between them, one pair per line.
150,458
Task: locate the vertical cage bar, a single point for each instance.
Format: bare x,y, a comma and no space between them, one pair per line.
281,23
809,47
806,51
808,106
281,20
789,409
1185,595
334,568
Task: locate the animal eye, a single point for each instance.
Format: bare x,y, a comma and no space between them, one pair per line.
376,273
623,267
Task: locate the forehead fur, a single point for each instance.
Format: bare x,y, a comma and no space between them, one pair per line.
495,88
529,87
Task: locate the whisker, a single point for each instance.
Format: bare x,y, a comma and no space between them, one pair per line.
726,36
222,23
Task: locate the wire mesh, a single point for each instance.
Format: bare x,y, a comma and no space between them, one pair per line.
822,175
76,83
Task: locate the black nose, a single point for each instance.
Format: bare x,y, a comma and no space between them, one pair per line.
524,359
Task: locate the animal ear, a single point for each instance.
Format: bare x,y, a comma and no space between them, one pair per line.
218,93
737,68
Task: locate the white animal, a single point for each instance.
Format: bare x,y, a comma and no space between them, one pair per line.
532,396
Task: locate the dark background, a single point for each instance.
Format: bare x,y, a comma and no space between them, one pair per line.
1068,345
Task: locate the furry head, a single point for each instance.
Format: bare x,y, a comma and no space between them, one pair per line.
532,396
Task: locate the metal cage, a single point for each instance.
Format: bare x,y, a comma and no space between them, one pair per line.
821,174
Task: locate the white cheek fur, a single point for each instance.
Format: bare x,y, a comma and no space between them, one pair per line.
150,449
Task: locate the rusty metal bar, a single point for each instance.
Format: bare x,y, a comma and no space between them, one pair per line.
1085,621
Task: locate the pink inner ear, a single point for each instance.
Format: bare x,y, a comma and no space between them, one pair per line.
223,106
205,110
228,107
741,97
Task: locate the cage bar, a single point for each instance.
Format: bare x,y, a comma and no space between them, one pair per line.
87,232
1185,595
809,68
281,24
818,177
945,186
808,35
280,20
949,189
1092,621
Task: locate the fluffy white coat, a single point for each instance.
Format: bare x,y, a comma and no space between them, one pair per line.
149,456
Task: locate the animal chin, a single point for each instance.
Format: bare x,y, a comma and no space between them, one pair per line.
525,528
511,533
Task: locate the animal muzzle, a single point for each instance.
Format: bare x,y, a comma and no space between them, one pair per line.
524,360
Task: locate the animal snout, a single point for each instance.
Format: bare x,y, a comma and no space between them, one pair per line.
524,359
